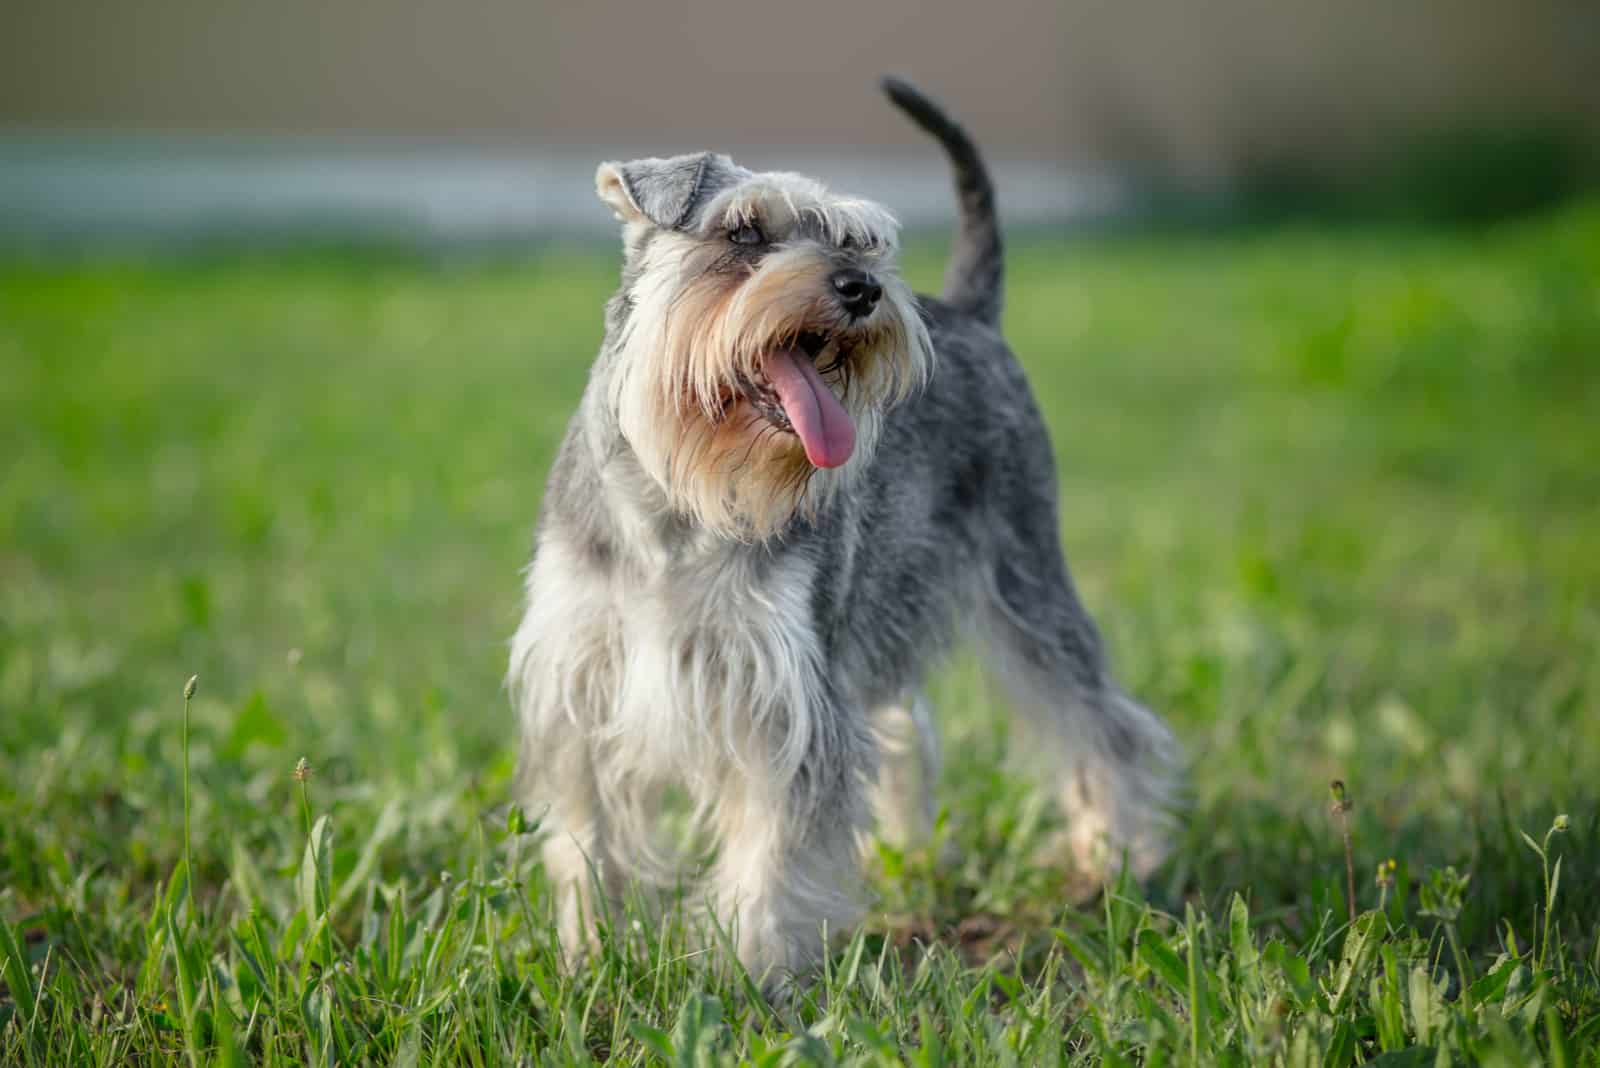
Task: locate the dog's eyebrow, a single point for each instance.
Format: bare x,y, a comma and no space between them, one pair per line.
742,211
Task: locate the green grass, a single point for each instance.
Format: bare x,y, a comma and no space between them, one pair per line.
1334,497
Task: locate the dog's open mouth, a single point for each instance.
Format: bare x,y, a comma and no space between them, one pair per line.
789,392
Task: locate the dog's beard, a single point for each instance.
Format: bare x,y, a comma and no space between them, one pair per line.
694,398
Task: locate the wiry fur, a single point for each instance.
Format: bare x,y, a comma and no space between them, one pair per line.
707,610
701,313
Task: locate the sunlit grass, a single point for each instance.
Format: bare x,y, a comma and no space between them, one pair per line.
1333,497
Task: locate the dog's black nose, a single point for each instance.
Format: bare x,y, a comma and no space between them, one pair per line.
858,291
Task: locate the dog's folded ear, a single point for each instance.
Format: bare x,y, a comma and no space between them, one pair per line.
667,192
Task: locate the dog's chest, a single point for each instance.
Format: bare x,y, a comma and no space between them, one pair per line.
697,658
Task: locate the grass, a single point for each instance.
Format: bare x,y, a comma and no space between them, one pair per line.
1333,496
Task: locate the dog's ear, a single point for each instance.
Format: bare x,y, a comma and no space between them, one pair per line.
666,192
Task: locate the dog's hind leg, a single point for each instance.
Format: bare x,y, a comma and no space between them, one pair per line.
1115,762
908,764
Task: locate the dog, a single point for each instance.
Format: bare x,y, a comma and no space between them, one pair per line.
790,486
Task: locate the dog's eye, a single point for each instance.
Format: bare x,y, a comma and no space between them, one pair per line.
747,234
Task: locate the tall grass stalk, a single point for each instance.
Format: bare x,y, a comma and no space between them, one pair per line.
1340,807
189,689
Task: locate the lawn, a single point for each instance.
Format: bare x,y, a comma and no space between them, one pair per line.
1334,497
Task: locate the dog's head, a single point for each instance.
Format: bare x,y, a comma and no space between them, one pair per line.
759,336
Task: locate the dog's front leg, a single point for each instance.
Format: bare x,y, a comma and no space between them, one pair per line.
583,876
787,873
563,671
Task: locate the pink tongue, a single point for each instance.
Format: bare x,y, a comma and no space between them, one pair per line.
815,413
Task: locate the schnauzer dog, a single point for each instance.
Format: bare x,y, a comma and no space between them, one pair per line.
790,484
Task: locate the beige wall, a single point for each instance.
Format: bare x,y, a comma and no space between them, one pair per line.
1192,85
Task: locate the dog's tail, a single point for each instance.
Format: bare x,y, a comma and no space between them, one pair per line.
973,278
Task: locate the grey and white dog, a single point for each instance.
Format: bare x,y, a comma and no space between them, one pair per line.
789,486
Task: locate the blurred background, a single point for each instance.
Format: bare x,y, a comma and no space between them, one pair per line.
424,121
297,298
